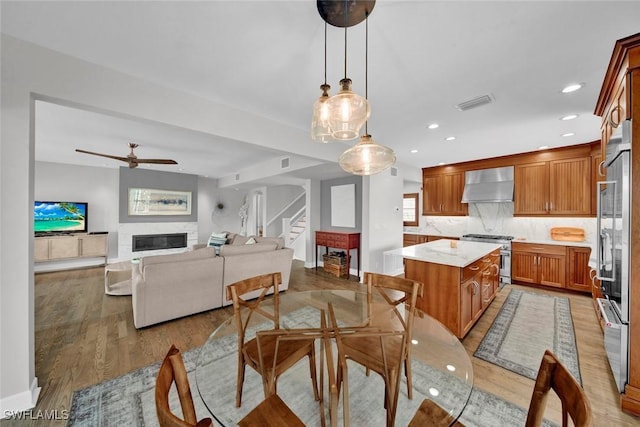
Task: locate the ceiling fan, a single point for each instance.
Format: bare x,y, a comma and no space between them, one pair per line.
131,158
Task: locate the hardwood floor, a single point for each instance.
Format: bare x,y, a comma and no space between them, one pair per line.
83,337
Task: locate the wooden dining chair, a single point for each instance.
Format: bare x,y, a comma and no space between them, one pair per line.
271,412
386,359
290,352
431,414
326,351
284,416
172,371
402,295
554,375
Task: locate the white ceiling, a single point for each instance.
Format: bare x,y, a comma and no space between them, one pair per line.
266,57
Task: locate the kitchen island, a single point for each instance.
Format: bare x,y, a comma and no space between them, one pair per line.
460,279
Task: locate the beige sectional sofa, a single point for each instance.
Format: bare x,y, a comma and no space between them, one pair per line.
166,287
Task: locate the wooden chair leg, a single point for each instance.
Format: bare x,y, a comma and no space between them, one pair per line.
312,370
240,382
407,372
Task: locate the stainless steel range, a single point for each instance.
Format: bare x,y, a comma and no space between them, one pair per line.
505,252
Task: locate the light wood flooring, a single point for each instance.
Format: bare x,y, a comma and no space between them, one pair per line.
83,337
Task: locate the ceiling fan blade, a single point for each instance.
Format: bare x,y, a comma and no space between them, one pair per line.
123,159
157,161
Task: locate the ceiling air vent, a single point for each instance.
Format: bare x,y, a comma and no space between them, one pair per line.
475,102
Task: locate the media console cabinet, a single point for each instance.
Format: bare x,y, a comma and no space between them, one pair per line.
70,246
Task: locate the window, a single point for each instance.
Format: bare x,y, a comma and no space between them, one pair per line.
410,209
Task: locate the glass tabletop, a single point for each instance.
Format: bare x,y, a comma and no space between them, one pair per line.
441,368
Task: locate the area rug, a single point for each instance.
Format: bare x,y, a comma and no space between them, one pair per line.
527,325
129,400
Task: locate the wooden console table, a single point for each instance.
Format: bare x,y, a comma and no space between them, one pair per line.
338,240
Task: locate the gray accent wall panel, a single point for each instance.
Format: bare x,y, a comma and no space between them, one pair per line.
143,178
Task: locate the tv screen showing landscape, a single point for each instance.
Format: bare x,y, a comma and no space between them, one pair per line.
60,217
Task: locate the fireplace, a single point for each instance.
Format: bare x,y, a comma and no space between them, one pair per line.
152,242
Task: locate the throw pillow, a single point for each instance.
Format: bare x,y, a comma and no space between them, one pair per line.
217,239
251,241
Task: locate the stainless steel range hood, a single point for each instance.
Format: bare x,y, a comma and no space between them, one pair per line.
488,185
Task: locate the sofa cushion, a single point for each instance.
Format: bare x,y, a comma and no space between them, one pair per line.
230,250
277,240
239,239
183,256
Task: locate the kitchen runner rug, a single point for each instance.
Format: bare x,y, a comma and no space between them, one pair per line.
129,399
529,323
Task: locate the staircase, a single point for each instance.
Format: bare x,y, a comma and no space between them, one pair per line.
297,228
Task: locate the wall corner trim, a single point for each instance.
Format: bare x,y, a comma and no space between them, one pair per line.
19,402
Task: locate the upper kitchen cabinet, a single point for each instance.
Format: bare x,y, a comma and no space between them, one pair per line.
559,187
442,194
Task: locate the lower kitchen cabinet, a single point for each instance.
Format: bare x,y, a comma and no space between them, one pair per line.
413,239
578,272
557,266
539,264
456,296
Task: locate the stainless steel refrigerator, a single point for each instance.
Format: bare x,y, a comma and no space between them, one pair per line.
614,204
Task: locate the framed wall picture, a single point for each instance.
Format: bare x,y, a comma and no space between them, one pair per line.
343,205
148,201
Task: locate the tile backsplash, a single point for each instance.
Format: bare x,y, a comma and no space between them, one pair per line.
497,218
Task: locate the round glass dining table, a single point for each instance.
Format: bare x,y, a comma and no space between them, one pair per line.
441,368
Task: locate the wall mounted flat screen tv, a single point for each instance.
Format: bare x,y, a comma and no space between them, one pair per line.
60,217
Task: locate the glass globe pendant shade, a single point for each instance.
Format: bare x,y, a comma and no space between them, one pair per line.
348,111
320,129
367,157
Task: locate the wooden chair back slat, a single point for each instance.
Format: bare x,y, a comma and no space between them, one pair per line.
173,371
553,375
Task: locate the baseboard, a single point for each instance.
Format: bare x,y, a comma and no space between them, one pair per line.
19,402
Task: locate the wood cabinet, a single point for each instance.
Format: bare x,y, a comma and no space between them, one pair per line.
442,194
338,240
558,266
470,302
55,248
456,296
597,174
413,239
556,187
539,264
409,239
578,269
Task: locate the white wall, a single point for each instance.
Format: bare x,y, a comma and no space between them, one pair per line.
30,72
96,186
382,217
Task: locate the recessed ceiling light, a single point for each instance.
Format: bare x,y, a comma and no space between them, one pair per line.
433,126
572,87
543,147
569,117
414,151
568,134
450,138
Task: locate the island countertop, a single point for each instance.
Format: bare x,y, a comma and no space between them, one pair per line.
442,252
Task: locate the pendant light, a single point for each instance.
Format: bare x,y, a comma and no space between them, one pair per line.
320,129
367,157
347,110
